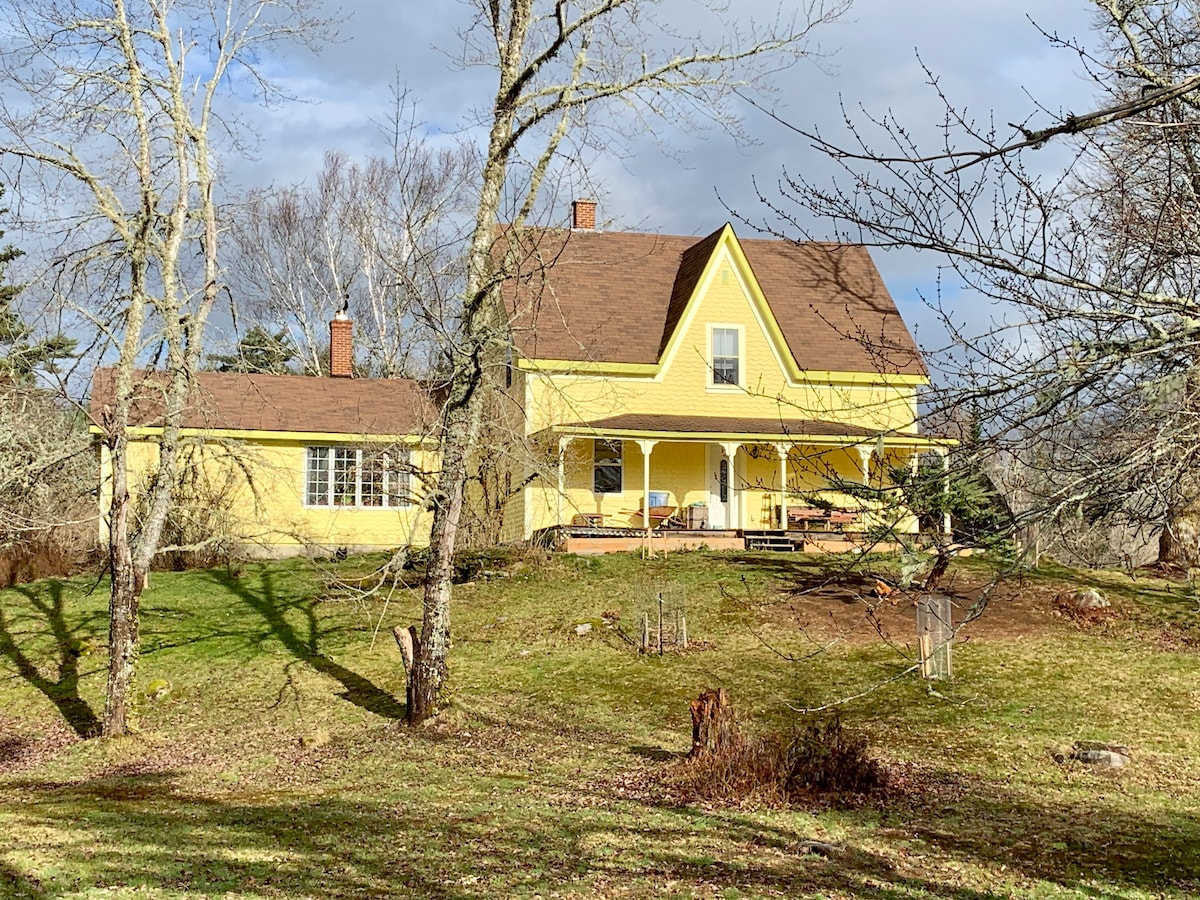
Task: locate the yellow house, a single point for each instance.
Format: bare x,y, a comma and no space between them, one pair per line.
716,386
284,464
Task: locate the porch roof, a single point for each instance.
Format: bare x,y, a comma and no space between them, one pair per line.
743,429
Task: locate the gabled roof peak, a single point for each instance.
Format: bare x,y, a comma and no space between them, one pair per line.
616,297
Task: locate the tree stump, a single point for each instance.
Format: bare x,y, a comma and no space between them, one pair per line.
713,725
409,643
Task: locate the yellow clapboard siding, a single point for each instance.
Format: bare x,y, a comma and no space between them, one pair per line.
260,488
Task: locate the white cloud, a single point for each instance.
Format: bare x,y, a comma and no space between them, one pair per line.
986,56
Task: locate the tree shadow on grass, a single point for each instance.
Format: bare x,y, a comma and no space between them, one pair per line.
1079,846
154,835
18,886
148,829
304,643
47,601
1069,842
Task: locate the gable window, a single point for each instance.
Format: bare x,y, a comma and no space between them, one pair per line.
607,468
358,476
726,358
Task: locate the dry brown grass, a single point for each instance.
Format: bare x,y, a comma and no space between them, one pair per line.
822,764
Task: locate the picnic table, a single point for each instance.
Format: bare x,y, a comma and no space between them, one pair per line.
805,518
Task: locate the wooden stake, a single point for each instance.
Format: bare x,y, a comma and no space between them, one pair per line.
660,624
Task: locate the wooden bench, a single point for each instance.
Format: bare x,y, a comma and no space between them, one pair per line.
803,517
588,520
806,518
840,518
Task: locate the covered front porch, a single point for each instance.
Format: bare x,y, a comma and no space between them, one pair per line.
721,478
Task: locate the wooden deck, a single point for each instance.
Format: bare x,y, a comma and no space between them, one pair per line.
589,539
576,539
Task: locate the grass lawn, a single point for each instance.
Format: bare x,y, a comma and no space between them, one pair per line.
270,758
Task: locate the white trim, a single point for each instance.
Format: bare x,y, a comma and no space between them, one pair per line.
716,262
721,258
713,386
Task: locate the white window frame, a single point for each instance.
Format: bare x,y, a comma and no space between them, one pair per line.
620,447
322,461
713,383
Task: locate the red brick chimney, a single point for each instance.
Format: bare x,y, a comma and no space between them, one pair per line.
583,215
341,346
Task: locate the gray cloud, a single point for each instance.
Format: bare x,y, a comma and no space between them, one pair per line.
986,56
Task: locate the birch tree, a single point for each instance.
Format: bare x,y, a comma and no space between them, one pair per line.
561,69
110,118
384,233
1085,371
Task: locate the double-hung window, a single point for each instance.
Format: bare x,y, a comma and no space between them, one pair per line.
726,358
358,476
607,468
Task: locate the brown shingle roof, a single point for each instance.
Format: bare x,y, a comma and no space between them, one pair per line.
617,297
691,266
241,402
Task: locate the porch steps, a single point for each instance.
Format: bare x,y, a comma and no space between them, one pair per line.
779,541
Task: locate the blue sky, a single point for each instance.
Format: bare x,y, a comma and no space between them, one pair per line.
988,57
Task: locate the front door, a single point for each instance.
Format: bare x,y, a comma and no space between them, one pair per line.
718,488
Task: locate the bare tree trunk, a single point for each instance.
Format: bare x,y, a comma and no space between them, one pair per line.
1168,545
482,333
1179,540
409,641
430,666
148,175
940,565
122,604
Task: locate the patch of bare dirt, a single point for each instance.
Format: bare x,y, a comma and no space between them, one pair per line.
868,607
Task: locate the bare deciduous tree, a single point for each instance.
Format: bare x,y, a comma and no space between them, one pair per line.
557,65
110,117
385,234
1084,371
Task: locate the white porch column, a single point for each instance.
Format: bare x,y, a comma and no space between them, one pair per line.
945,455
647,447
733,509
864,460
782,450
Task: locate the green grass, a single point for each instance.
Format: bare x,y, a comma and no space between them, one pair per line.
274,763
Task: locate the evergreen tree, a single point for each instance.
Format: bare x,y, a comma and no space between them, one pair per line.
20,356
258,352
